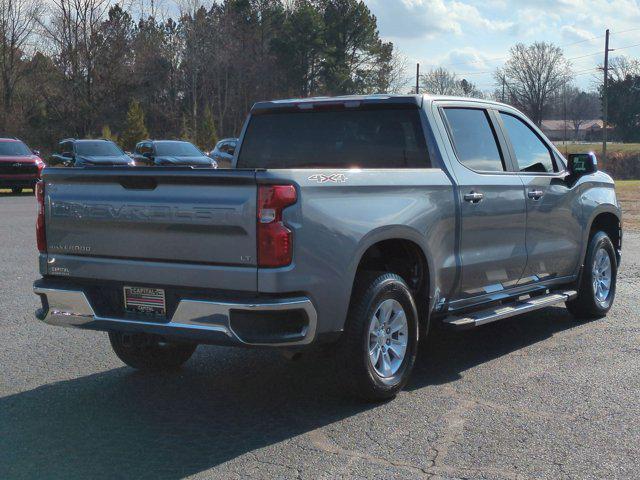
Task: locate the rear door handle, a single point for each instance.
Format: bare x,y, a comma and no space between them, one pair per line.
473,197
535,194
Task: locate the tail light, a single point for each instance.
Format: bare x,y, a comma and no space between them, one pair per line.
275,240
41,238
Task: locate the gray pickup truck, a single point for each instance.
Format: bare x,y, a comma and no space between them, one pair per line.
349,221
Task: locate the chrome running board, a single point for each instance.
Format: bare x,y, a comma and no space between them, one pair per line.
480,317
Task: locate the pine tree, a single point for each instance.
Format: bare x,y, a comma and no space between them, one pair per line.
135,129
185,130
207,135
107,134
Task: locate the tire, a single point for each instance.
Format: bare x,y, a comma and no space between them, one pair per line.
150,352
369,379
16,190
593,303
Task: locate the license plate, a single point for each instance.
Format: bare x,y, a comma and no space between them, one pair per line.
144,300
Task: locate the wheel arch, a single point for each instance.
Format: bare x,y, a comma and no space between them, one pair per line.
607,219
398,250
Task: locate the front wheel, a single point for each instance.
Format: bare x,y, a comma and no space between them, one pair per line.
150,352
379,345
597,287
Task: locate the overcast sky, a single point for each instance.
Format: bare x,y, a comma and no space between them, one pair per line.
473,37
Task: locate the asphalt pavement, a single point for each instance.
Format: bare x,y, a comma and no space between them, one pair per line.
537,396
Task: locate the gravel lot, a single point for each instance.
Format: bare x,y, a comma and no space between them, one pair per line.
539,396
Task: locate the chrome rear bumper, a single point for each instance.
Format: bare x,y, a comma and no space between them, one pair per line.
197,320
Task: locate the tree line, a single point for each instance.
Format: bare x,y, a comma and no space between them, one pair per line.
92,68
89,68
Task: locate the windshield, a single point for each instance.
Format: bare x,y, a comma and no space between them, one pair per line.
372,138
98,148
178,149
14,149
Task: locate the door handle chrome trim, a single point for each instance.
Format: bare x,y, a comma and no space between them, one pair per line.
535,194
473,197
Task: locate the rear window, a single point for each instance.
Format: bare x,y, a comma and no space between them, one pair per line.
179,149
335,139
98,149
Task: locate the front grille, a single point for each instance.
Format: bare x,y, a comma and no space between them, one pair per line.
18,168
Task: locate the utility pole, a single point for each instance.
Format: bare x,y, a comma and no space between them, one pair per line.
605,99
417,78
564,115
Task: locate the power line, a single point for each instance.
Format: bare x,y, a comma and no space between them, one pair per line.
624,31
627,46
584,56
581,41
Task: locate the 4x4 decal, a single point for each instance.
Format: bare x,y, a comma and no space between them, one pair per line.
324,178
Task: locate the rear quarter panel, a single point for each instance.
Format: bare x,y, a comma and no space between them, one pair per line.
335,222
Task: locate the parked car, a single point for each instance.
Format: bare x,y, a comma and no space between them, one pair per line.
20,167
171,153
224,151
72,152
354,221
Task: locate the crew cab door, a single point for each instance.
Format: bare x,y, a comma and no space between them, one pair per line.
554,232
492,203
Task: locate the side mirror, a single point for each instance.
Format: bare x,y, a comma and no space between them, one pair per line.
67,154
36,152
148,155
581,164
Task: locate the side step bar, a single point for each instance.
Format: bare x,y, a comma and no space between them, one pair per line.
477,318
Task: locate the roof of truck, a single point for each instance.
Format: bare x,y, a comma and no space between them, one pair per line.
358,100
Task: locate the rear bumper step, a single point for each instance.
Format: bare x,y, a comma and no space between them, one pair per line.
475,319
200,321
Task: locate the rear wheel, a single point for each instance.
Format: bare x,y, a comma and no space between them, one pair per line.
150,352
380,340
597,288
16,190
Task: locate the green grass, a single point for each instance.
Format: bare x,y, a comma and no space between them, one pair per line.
629,148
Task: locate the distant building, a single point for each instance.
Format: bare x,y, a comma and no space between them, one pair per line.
588,130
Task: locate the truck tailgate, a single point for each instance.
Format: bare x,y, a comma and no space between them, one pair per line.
152,215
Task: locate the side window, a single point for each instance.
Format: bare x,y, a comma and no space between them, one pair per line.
144,148
532,153
474,139
66,147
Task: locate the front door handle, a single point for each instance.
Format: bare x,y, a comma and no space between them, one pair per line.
473,197
535,194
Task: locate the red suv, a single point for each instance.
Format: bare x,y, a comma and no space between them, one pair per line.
19,167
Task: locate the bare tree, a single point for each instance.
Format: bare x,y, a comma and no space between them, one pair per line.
532,75
580,107
622,67
399,79
18,19
73,31
440,81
